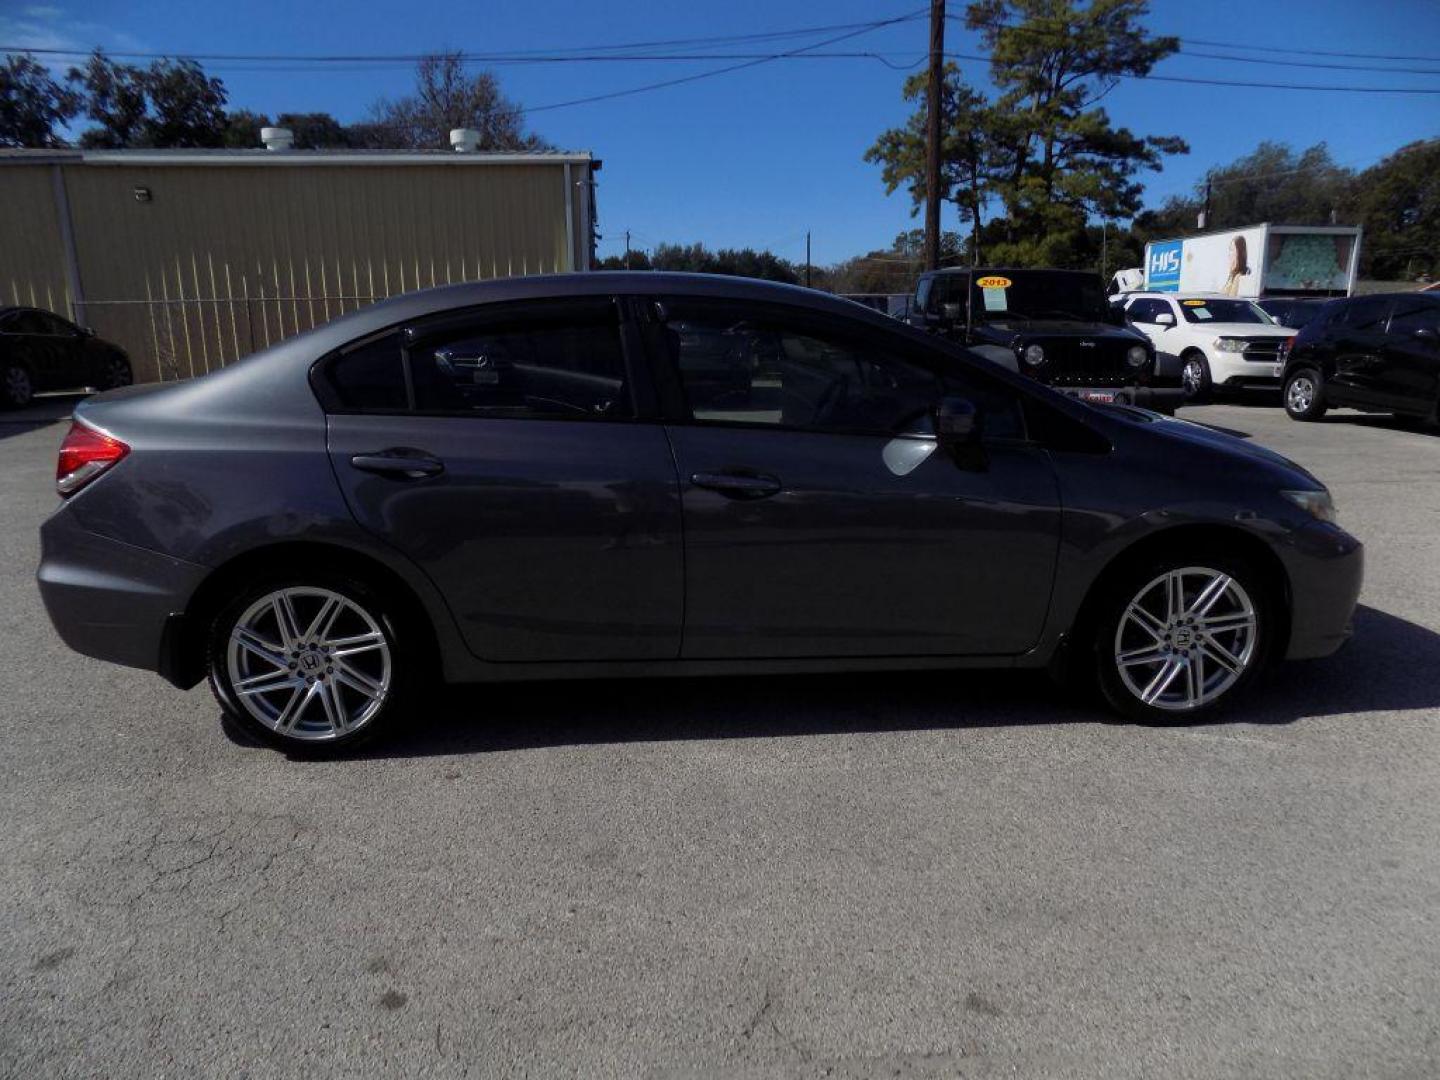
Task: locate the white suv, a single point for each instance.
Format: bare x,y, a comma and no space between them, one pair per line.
1212,342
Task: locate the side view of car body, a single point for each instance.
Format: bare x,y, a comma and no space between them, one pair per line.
1378,353
40,351
1291,312
1215,342
664,474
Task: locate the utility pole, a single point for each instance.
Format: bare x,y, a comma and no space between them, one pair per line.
932,136
1104,249
1205,213
807,258
627,249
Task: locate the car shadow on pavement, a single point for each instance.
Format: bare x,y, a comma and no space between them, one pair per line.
1383,421
43,411
1391,664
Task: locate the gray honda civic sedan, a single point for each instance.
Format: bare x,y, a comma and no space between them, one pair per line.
651,474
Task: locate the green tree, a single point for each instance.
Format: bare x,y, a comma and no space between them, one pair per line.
446,97
1398,203
1272,183
739,262
1057,158
965,166
242,129
32,104
317,131
172,103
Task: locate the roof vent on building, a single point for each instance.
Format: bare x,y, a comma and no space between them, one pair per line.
465,140
277,138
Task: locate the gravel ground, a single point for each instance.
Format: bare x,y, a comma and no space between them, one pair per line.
907,876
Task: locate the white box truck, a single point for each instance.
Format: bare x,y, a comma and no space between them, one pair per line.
1257,261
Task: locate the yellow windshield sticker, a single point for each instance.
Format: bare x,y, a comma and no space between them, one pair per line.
1193,303
994,282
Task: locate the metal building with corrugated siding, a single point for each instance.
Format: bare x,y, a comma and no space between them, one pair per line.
190,259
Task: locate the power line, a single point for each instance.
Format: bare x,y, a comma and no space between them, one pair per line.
1269,49
1198,81
864,29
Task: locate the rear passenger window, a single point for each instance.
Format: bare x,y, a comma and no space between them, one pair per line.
525,371
370,376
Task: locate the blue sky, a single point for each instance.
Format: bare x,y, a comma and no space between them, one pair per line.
759,156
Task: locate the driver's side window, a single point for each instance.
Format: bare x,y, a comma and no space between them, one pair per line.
750,367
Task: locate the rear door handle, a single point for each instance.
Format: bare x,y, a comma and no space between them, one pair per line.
738,485
399,462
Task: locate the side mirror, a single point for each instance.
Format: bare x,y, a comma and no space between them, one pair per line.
1165,318
957,422
85,331
1428,335
958,428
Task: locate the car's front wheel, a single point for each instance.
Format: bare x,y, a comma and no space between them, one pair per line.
1180,638
17,389
1195,376
1305,395
309,664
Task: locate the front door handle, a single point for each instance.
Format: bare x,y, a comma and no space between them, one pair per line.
399,462
738,485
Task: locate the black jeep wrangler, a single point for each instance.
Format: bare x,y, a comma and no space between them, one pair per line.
1052,325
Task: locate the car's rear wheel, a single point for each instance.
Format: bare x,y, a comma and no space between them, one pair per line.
1305,395
310,664
17,389
115,373
1181,638
1195,376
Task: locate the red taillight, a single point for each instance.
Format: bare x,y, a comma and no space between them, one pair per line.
84,455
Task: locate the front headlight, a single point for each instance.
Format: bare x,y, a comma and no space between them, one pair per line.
1319,504
1137,356
1034,355
1230,344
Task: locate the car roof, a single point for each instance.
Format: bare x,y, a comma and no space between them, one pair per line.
416,305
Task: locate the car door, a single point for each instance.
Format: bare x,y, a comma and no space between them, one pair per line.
1357,337
28,342
505,451
66,347
1143,315
821,519
1408,372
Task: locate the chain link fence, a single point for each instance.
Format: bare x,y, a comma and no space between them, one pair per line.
170,339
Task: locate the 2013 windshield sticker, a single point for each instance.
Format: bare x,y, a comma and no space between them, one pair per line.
994,282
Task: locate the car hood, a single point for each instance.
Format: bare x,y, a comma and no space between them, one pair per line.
1236,329
1068,328
1210,440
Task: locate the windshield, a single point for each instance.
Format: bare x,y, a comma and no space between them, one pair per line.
996,298
1223,311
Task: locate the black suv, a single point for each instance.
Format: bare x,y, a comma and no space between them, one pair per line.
1376,353
1052,325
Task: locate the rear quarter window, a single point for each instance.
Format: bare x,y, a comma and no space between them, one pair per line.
369,377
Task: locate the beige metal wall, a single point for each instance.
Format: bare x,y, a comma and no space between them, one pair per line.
227,258
32,254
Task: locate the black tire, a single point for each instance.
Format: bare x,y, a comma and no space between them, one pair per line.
1195,377
115,372
1192,652
1304,394
304,734
17,385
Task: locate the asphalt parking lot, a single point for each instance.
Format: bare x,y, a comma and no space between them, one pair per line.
891,875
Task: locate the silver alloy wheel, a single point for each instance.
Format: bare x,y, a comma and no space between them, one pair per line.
309,663
18,388
1192,375
1186,638
1300,394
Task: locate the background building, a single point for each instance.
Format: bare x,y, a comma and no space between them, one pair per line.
190,259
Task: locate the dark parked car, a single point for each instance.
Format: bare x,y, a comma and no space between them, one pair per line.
40,351
1377,353
1291,312
1053,326
556,477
